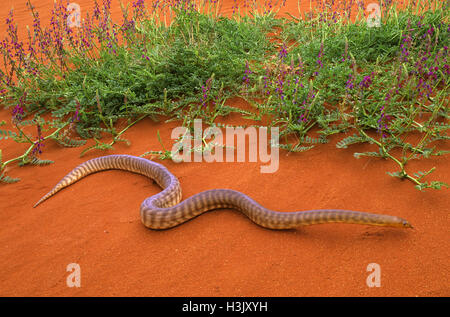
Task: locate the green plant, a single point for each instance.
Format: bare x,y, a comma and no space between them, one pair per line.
313,76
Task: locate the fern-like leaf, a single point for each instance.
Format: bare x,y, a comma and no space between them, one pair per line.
289,147
34,161
310,140
432,184
373,154
5,134
26,123
98,146
68,142
395,174
353,139
37,161
122,140
8,180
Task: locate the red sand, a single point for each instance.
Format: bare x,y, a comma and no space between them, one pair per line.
96,224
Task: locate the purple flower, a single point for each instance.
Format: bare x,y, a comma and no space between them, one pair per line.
350,82
76,115
367,81
18,111
304,106
283,53
247,72
447,69
39,143
319,58
279,89
139,6
382,124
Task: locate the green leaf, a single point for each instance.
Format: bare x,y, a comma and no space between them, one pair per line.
122,140
353,139
289,147
438,185
421,174
439,153
308,139
373,154
8,180
99,146
432,184
5,134
37,161
26,122
395,174
68,142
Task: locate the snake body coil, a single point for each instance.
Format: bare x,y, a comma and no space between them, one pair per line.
164,210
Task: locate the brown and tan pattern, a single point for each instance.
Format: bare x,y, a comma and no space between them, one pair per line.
164,210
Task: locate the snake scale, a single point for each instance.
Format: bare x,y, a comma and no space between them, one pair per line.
164,210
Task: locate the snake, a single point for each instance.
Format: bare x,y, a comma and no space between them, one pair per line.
166,210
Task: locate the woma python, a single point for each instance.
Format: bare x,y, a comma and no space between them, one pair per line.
164,210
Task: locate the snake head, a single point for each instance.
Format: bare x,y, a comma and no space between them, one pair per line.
406,224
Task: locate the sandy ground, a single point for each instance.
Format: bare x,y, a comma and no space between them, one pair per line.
96,224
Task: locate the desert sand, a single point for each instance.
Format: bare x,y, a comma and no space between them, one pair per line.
96,222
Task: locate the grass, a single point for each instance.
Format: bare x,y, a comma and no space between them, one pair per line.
319,74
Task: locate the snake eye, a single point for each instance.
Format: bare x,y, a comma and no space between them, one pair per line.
406,224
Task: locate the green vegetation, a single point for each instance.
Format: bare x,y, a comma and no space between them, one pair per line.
313,76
